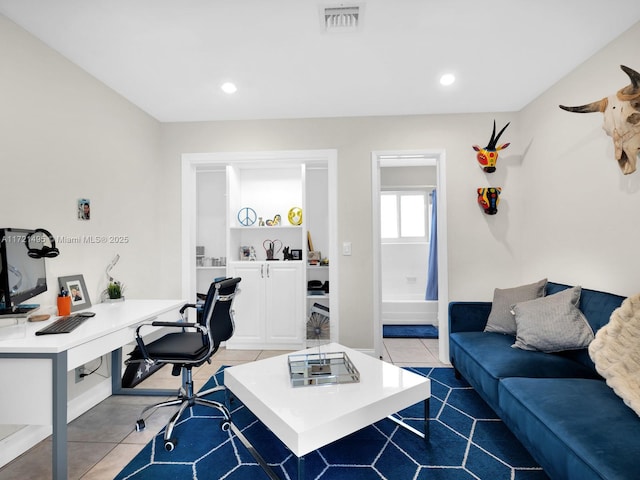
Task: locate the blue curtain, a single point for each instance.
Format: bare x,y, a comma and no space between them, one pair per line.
432,268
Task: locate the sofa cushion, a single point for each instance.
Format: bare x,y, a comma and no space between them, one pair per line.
501,319
552,323
483,358
576,429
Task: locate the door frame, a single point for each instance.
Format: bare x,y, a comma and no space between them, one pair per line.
193,162
412,158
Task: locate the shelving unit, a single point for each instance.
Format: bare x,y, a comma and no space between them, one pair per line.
273,307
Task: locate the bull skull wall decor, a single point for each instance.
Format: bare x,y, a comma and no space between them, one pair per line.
489,198
621,120
488,156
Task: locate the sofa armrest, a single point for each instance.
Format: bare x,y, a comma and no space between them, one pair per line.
468,316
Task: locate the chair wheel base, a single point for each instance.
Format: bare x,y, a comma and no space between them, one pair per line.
170,445
225,425
140,426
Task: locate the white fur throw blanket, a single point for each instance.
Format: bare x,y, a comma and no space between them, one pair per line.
616,352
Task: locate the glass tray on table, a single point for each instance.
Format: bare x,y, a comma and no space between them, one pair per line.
322,369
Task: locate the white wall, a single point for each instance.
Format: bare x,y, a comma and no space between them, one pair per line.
581,213
65,136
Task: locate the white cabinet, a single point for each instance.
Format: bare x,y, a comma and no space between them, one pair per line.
270,306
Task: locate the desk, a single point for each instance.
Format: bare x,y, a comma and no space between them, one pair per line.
113,327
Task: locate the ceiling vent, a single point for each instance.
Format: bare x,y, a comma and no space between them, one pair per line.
341,19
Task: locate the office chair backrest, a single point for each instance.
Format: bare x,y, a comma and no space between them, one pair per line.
217,314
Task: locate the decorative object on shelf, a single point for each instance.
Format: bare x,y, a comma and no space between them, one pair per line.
318,325
488,156
77,290
199,256
489,198
295,216
309,242
621,120
247,253
260,222
247,216
275,222
315,287
272,248
296,254
286,254
314,257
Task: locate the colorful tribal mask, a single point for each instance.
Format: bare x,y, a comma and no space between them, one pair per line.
488,156
489,198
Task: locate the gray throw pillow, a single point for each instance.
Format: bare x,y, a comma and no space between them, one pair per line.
553,323
501,319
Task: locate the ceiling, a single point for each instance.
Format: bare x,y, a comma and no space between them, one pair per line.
169,57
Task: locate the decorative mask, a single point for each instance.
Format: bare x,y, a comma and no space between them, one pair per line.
488,156
489,198
621,120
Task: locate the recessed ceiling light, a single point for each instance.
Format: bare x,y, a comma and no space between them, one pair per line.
229,88
447,79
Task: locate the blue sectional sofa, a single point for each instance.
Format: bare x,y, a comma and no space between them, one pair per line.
556,404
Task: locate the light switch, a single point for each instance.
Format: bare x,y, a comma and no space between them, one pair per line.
346,248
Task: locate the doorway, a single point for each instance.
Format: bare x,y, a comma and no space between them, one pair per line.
400,260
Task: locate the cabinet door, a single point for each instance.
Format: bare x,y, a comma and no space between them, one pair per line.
285,304
248,305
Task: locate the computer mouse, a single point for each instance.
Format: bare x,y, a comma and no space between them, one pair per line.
86,314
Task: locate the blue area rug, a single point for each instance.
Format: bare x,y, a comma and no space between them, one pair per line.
467,441
409,331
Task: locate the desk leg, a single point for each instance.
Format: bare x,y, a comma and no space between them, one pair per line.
59,438
426,420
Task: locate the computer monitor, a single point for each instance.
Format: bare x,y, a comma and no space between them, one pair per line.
21,276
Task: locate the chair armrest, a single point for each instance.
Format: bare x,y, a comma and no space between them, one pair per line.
468,316
173,324
187,305
181,325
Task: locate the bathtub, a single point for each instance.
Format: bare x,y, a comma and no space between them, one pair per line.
409,311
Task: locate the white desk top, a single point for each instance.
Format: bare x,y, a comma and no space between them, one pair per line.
109,318
308,417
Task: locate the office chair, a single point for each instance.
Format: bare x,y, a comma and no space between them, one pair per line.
191,346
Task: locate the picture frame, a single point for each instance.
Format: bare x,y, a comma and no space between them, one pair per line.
77,290
296,254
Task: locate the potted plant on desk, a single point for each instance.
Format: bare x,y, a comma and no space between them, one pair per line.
113,293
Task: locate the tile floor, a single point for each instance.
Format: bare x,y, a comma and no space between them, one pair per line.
102,441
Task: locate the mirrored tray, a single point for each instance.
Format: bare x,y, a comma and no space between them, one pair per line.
322,369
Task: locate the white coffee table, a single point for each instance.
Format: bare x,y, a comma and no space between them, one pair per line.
291,413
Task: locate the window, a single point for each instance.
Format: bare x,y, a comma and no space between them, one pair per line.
404,216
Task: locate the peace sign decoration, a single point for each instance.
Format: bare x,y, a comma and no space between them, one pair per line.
247,216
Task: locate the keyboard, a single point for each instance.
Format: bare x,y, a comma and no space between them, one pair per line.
65,324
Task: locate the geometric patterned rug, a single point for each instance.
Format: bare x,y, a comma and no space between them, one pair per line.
466,441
